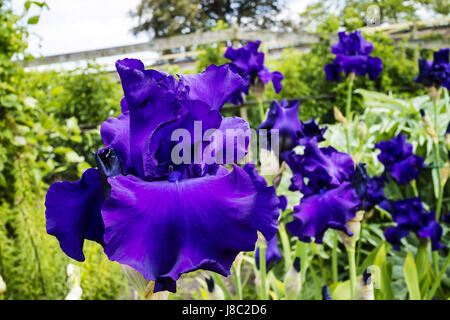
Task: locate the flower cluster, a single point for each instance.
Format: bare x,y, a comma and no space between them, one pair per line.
411,217
404,166
353,56
159,217
324,177
437,72
399,160
283,116
249,63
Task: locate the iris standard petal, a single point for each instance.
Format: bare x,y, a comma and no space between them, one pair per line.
73,213
164,229
204,86
328,209
150,105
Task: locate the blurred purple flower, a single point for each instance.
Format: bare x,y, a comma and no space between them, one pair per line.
139,203
398,159
249,63
283,116
437,72
352,56
323,176
273,255
369,189
411,217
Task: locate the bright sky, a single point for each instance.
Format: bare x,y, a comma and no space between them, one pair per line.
79,25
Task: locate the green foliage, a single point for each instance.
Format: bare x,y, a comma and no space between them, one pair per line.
33,152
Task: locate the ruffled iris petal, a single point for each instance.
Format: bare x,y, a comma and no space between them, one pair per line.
352,56
73,213
164,229
236,142
283,116
398,159
204,86
410,216
327,209
150,105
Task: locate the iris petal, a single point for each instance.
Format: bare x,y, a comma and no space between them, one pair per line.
150,105
73,213
204,86
164,229
318,212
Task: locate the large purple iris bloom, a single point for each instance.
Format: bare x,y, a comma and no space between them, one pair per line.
249,63
399,160
437,72
283,116
411,217
352,56
323,176
161,218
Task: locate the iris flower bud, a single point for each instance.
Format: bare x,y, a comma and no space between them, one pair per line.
339,117
326,295
365,287
354,225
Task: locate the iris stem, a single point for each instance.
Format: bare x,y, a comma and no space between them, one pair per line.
348,111
261,110
414,187
286,247
352,269
438,159
334,257
219,281
262,268
237,281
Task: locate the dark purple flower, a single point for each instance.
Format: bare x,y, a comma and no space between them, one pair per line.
273,255
398,159
411,217
249,63
140,203
327,209
369,189
283,116
352,56
437,72
318,168
323,176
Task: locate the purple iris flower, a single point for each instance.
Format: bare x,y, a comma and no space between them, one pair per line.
161,218
283,116
411,217
323,176
398,159
318,168
369,189
352,56
249,63
273,255
437,72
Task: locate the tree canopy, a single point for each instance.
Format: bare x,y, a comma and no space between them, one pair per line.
169,17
